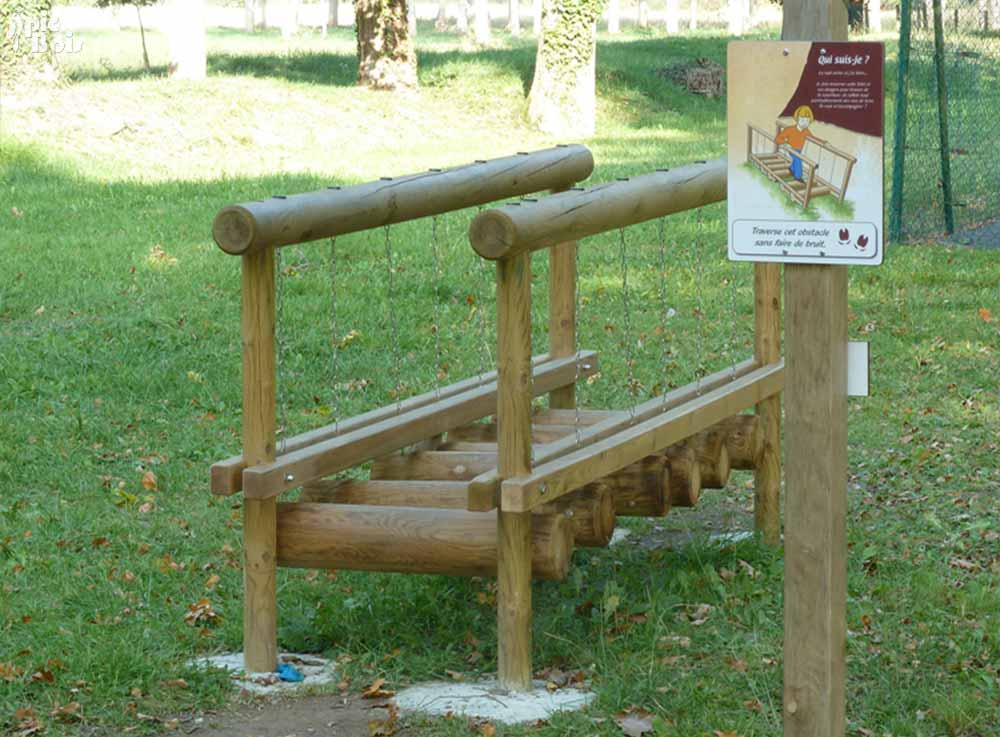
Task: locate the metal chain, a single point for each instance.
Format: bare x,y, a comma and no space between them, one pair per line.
393,327
334,338
279,339
661,232
700,302
436,327
576,346
627,315
734,320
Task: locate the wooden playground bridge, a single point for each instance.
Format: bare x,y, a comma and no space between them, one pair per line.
819,170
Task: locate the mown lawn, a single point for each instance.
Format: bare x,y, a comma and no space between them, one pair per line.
120,356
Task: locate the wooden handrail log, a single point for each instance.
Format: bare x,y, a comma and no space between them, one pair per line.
529,226
551,480
285,220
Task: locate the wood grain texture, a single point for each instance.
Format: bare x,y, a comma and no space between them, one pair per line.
562,315
767,349
597,425
573,215
260,608
227,474
640,489
684,474
413,540
744,440
486,432
284,220
339,453
713,457
431,494
432,465
514,427
554,478
816,500
590,510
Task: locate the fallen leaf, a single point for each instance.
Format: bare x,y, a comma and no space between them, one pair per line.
212,581
175,683
375,690
149,481
201,612
720,733
67,712
487,730
985,315
634,723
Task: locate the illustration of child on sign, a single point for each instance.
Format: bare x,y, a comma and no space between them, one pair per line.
794,137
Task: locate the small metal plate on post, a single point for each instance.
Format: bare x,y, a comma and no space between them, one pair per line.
858,363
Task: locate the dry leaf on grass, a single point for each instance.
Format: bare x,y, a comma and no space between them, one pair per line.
634,722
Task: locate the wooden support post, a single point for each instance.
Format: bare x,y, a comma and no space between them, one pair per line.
260,607
514,423
562,315
816,461
767,349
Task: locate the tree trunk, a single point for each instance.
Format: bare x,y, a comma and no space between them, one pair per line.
332,13
386,59
875,15
290,23
514,25
536,17
643,14
673,16
482,22
441,22
562,101
462,16
614,16
263,14
411,18
249,24
142,36
186,33
693,21
736,17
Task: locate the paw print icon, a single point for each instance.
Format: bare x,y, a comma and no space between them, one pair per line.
862,243
845,236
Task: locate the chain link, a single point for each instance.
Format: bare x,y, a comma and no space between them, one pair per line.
279,339
436,327
334,339
393,326
664,306
627,315
700,301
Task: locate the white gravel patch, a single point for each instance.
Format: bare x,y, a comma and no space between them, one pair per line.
317,671
486,700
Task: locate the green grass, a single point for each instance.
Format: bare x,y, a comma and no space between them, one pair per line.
119,326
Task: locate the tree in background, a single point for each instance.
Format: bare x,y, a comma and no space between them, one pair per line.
186,35
614,16
481,22
21,43
138,12
563,98
386,59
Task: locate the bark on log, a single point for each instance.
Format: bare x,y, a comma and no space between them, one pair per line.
641,489
591,511
744,441
713,458
685,476
408,540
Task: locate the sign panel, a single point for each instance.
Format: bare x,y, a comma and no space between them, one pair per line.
805,171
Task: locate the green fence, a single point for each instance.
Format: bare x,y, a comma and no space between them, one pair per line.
946,150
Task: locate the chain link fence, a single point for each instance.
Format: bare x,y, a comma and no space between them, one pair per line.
946,148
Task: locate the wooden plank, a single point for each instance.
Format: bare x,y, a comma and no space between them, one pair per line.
816,500
562,315
339,453
568,417
284,220
260,606
551,480
512,229
435,494
486,432
514,423
443,465
227,475
767,349
485,489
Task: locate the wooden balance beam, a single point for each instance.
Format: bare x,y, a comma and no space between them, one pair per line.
285,220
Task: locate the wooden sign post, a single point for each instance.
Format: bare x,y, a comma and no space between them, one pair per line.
816,460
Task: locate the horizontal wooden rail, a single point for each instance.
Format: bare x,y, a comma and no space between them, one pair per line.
338,453
577,213
285,220
227,475
484,490
549,481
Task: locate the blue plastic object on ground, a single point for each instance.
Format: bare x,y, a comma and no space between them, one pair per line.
288,672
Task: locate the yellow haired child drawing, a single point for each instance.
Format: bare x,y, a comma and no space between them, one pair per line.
794,136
